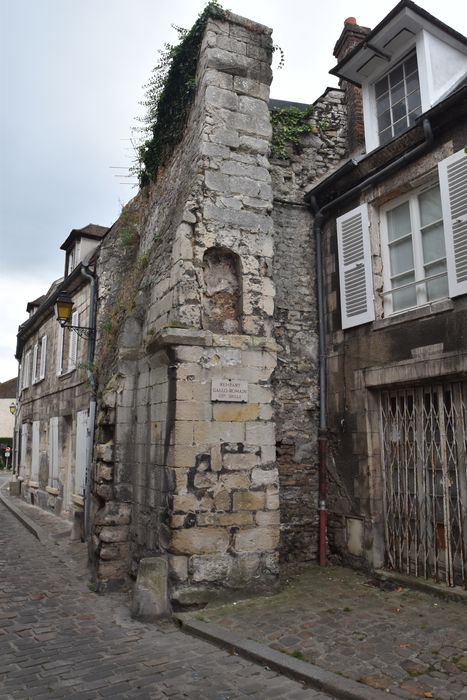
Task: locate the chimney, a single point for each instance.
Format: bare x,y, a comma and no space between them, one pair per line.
351,36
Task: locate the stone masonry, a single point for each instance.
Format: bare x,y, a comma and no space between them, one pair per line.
177,474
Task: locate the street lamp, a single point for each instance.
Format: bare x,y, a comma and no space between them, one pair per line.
64,312
12,408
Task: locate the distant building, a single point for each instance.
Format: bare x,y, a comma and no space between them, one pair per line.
54,395
7,421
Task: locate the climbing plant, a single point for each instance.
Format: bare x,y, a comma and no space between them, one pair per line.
288,126
169,95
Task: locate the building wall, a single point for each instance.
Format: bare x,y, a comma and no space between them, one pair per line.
7,421
179,475
418,346
296,390
57,399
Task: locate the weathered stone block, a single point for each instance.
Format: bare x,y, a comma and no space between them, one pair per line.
264,477
242,460
105,452
199,540
178,567
259,433
237,412
217,97
104,472
210,568
185,503
266,518
118,533
239,480
113,514
259,539
239,519
248,500
150,595
222,500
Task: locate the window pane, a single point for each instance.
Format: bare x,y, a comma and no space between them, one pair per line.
397,93
399,111
430,206
398,221
385,136
437,288
384,120
433,243
405,298
396,76
401,257
413,83
413,100
382,104
400,126
381,86
411,64
413,115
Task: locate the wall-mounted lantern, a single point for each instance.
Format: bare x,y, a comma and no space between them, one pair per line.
13,408
64,312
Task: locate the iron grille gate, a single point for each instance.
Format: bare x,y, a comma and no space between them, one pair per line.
425,480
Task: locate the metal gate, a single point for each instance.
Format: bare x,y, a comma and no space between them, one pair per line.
425,480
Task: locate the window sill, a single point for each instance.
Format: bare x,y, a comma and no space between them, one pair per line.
53,491
77,500
436,307
33,484
66,373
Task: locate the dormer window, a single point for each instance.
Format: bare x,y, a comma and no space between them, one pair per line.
398,101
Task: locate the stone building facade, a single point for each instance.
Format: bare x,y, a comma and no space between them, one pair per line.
52,425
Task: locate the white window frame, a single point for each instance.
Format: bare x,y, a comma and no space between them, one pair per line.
43,358
26,376
412,198
35,352
73,344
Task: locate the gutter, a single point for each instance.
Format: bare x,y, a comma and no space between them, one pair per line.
320,214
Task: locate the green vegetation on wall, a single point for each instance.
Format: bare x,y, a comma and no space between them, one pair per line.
169,95
288,126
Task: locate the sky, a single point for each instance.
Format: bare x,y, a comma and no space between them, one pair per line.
72,74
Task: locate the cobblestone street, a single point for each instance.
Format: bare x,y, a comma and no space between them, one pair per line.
60,640
408,643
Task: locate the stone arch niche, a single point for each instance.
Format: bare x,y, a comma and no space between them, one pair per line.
222,291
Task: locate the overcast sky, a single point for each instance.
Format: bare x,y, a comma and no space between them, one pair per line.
72,73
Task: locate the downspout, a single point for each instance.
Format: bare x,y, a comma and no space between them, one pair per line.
319,218
86,272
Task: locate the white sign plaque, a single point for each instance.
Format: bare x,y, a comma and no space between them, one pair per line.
229,390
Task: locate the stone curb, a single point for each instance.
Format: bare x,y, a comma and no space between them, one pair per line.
35,529
435,589
314,676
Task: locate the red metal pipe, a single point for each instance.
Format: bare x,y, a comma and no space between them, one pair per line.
323,460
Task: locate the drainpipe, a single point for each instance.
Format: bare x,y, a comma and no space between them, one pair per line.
319,218
86,272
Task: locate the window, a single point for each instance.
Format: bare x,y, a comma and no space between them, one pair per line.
26,370
67,347
423,242
39,359
414,253
398,101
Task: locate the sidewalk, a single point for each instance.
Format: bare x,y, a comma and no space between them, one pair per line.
392,639
335,629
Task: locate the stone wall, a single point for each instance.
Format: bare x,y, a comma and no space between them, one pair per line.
296,390
177,474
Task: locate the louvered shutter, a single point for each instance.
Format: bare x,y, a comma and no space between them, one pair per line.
43,357
73,351
355,274
453,185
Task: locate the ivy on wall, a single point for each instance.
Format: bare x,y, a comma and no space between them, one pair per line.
169,95
289,125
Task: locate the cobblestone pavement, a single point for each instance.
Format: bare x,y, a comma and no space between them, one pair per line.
406,642
60,640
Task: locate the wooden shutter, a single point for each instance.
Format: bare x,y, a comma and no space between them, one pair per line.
35,451
27,369
53,452
60,339
34,362
355,273
43,356
453,186
73,348
81,452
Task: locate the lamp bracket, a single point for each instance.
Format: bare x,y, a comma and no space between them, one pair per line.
81,331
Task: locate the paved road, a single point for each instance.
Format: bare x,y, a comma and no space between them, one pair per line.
60,640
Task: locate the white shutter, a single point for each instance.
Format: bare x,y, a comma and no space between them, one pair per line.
81,452
34,362
73,347
35,451
355,274
26,369
453,185
53,452
43,356
60,339
20,377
